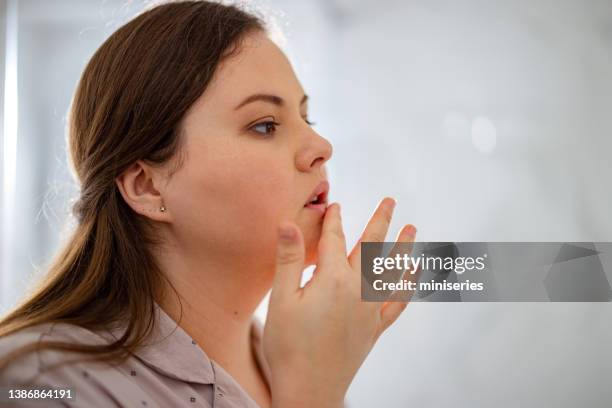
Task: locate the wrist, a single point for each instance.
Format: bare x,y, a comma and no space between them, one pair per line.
288,394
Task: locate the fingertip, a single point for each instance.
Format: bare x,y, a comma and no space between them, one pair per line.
390,201
335,206
411,230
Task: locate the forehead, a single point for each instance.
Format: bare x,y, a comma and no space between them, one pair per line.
258,66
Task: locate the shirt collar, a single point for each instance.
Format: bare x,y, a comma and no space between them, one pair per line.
173,353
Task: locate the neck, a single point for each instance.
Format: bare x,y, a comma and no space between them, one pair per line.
216,306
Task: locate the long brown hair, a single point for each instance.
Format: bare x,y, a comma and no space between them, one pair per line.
128,106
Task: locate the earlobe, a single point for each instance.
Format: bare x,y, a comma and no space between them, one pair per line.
137,187
151,212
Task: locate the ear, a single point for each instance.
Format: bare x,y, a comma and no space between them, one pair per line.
140,187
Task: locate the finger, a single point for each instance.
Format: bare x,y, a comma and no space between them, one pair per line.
405,295
390,313
289,260
375,230
332,245
392,309
403,246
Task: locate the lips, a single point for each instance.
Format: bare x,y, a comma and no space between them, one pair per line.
317,200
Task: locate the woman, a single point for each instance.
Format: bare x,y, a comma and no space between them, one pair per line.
203,186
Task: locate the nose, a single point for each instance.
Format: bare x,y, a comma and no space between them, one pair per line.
315,151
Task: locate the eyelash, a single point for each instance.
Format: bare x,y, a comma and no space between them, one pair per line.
274,123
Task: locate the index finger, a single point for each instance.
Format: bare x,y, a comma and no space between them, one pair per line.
375,230
332,244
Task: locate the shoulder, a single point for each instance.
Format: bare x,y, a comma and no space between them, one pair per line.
53,332
18,368
30,338
27,365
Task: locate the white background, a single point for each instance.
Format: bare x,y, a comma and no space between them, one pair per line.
486,120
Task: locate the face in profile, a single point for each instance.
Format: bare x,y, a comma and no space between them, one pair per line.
251,160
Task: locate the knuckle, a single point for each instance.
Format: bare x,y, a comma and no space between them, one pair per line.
386,216
288,257
375,237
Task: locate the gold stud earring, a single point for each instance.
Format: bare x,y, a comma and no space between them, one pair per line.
162,208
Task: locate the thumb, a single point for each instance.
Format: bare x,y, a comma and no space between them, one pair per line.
289,259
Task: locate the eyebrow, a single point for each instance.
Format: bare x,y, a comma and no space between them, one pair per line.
273,99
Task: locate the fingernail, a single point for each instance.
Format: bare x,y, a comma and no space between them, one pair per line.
393,202
411,230
286,232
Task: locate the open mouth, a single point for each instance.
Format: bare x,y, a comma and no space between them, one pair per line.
318,199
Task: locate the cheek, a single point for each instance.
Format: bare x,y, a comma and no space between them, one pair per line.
261,199
234,205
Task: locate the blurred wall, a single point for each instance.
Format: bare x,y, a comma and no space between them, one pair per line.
487,120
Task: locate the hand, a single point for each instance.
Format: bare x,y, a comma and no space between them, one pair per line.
317,337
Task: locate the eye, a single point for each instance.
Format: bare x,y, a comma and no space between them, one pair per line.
265,128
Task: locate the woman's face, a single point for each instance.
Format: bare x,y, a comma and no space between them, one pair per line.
242,174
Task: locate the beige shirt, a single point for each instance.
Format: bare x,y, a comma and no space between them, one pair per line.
171,371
